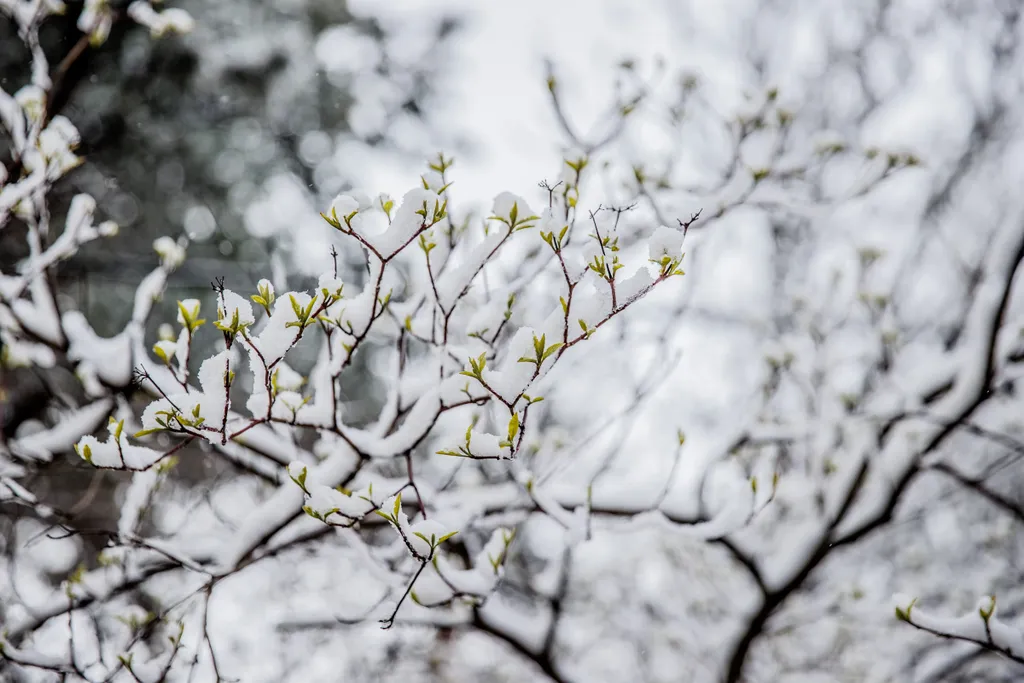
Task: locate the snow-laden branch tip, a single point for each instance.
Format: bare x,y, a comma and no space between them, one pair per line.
981,627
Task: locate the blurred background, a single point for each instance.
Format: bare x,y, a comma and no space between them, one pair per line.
238,134
229,135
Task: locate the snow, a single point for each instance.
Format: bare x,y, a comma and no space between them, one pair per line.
136,501
666,241
286,379
111,358
43,445
634,286
39,316
507,202
172,253
209,403
332,284
458,276
417,423
284,505
404,224
48,552
487,318
165,350
116,452
982,626
527,629
191,307
31,657
344,205
334,506
230,304
970,356
442,580
172,19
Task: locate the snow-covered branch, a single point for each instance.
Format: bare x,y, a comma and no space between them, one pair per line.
982,627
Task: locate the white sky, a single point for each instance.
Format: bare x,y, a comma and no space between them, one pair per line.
495,95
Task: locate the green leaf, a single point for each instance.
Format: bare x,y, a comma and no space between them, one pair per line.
301,479
159,352
426,246
334,222
904,614
513,427
398,506
550,350
986,614
185,315
77,574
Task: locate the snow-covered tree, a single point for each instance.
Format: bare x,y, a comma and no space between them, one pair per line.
572,461
855,290
451,310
